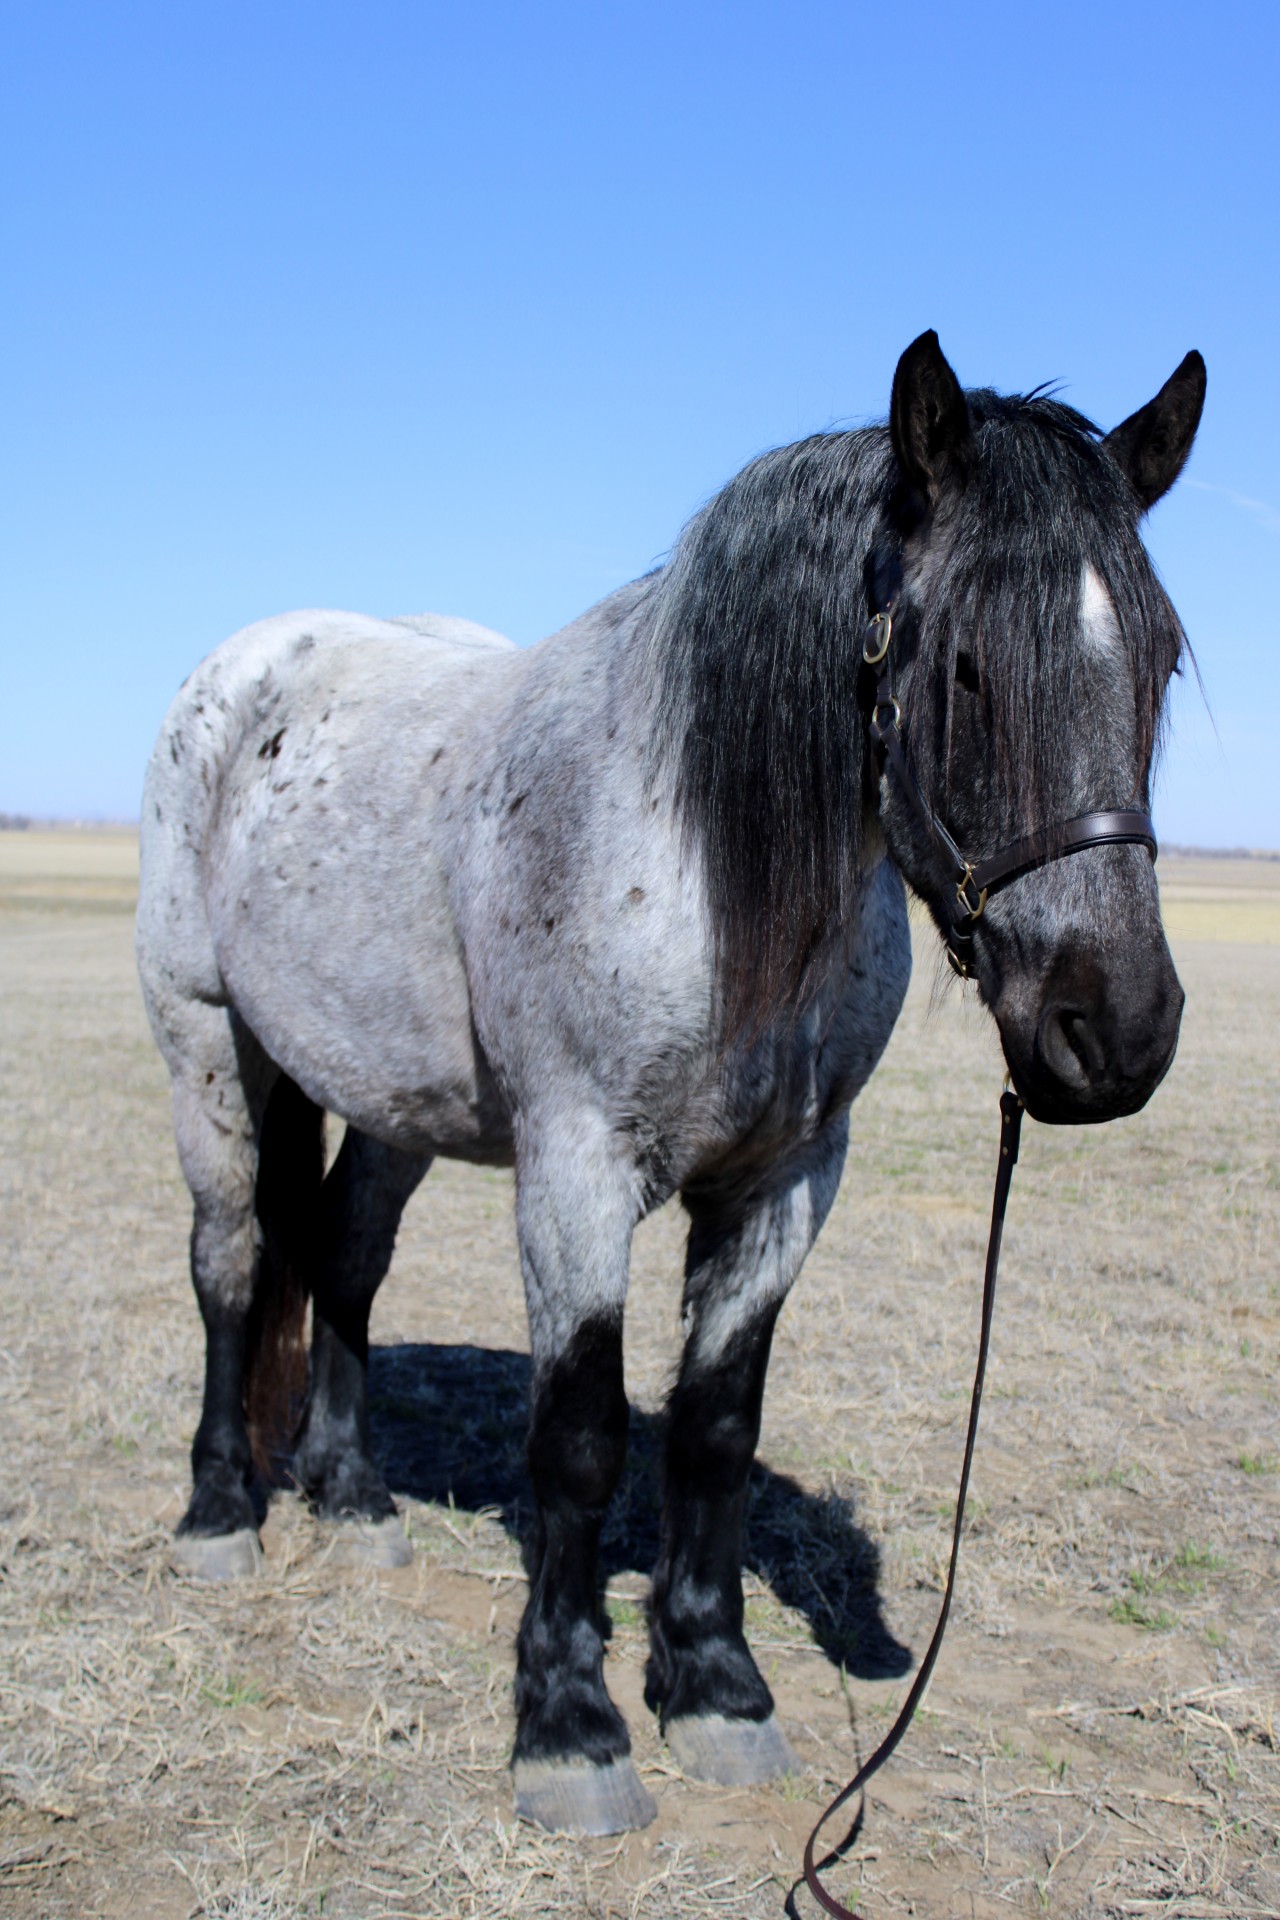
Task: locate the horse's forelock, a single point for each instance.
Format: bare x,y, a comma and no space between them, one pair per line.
1041,503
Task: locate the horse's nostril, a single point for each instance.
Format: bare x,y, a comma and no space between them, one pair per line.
1069,1046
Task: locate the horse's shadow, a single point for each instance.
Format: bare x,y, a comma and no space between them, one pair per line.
449,1426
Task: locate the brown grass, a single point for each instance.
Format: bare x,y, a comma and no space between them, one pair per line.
1100,1738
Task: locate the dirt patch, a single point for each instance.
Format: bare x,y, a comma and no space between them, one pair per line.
1100,1738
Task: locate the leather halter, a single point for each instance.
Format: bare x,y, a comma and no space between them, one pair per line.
976,880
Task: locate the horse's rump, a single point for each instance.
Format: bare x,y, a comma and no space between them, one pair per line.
298,842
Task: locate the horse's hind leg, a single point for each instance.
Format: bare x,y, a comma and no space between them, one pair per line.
363,1198
716,1711
250,1146
575,1216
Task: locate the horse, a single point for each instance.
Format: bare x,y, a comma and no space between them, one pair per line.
626,911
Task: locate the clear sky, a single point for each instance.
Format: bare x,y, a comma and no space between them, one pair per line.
404,306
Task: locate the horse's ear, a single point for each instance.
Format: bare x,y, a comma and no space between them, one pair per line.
1152,445
928,418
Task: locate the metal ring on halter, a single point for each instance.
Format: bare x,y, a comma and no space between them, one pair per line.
879,727
966,888
885,623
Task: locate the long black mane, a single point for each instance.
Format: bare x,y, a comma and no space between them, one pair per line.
758,625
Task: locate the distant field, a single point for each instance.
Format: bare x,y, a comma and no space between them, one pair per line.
1101,1740
56,868
61,869
1237,901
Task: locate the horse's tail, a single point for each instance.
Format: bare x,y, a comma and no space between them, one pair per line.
287,1198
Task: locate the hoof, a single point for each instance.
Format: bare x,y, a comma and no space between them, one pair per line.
371,1543
568,1796
218,1556
730,1753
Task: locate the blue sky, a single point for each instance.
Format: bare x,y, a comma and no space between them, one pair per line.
419,306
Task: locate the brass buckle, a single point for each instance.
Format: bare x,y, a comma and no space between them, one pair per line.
966,888
958,966
885,623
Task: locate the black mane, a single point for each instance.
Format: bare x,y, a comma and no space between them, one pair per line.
758,625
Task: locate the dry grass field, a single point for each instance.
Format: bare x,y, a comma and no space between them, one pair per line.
1101,1737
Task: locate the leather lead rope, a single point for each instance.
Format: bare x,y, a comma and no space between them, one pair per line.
1010,1132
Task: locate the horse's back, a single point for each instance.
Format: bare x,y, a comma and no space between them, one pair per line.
452,632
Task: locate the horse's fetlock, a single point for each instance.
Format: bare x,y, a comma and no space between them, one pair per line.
349,1488
712,1674
569,1720
220,1503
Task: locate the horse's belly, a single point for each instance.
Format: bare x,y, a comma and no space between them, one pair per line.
335,940
373,1021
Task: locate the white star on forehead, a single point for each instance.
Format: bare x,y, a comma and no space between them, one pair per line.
1097,614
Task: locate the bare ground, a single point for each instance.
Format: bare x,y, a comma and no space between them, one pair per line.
1100,1738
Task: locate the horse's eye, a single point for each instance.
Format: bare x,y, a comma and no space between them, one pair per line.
966,672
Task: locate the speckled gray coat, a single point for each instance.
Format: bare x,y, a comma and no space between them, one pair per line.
429,874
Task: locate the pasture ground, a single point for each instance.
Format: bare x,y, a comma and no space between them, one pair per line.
1101,1735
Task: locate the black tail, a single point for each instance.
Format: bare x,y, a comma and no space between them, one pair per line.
290,1173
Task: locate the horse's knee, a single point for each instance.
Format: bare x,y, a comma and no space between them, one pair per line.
710,1449
578,1430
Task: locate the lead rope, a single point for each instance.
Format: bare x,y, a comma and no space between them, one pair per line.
1010,1132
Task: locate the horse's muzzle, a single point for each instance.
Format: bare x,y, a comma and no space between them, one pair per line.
1098,1043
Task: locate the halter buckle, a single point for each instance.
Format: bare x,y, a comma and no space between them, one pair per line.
870,653
971,897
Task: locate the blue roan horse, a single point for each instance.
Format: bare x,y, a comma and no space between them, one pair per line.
626,910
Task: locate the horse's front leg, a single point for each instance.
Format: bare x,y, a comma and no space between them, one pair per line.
743,1254
575,1215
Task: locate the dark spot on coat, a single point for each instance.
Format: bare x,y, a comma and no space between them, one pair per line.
270,748
175,749
517,803
550,924
635,896
208,1079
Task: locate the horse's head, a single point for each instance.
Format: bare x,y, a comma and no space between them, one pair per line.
1032,647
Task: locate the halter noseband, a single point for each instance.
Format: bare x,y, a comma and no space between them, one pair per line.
976,880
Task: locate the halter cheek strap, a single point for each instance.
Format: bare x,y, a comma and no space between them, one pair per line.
976,880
